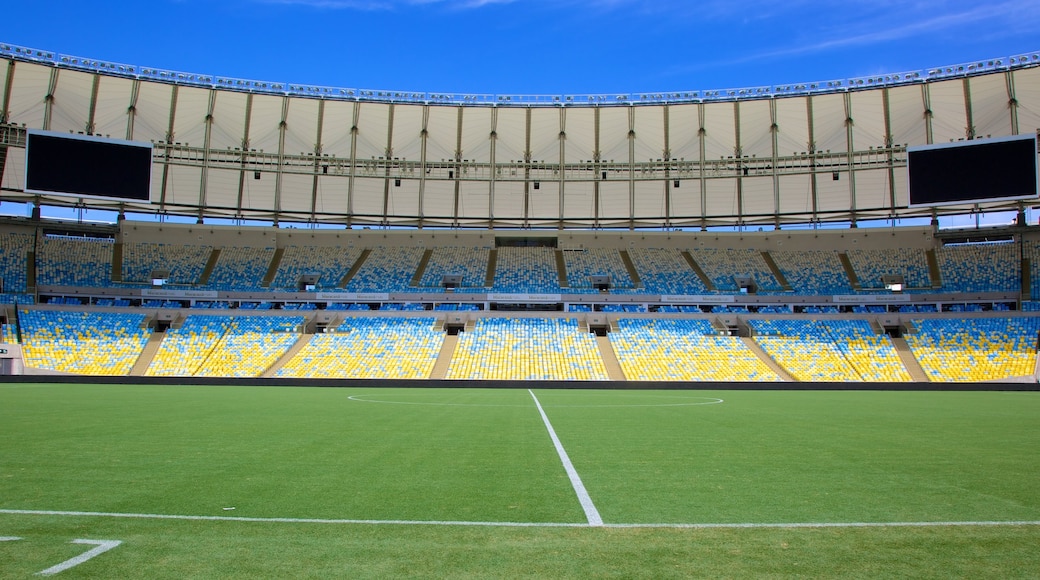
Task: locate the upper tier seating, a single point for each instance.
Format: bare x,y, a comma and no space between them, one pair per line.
581,264
330,263
665,271
830,350
15,247
90,343
370,348
526,270
975,349
723,267
75,262
240,268
470,263
980,268
813,272
387,270
683,350
871,265
527,349
184,263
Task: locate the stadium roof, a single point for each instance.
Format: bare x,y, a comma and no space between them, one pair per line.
833,151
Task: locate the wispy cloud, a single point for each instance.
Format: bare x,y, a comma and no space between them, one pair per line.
881,21
369,5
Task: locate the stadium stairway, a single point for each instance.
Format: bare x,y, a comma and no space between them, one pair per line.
913,367
610,360
287,355
145,359
708,283
770,362
637,282
776,272
440,368
849,270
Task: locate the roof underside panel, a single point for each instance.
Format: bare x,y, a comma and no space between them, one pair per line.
796,194
152,112
757,193
650,200
906,109
474,201
335,132
868,119
28,94
829,118
580,131
756,138
480,166
682,132
442,133
989,105
719,131
332,198
189,124
112,107
476,135
1027,94
71,106
792,119
406,144
373,124
229,121
948,112
301,127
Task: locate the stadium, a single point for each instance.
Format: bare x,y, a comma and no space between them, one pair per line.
647,270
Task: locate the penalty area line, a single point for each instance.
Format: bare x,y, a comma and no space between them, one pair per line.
704,526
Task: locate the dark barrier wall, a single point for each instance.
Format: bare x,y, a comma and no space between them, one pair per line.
441,384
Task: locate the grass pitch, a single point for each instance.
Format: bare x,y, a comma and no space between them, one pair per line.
467,483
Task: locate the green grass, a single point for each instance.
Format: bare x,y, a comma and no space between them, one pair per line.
474,455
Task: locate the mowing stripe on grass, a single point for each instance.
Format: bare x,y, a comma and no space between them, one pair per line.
579,488
515,524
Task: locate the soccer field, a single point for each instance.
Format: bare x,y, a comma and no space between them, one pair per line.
205,481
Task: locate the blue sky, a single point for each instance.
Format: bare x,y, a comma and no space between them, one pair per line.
530,46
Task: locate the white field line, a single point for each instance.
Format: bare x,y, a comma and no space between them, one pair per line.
77,514
591,513
101,546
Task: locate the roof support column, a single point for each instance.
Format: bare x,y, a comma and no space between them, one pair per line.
166,153
131,109
774,138
48,100
597,206
246,157
738,154
527,168
353,162
457,168
423,138
813,186
5,106
969,115
493,135
631,167
889,154
702,134
562,182
667,156
319,164
92,109
849,124
283,125
388,156
1009,81
204,180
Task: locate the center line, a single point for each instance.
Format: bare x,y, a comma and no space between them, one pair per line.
579,488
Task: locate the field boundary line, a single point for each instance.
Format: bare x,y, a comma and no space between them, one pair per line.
591,513
705,526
